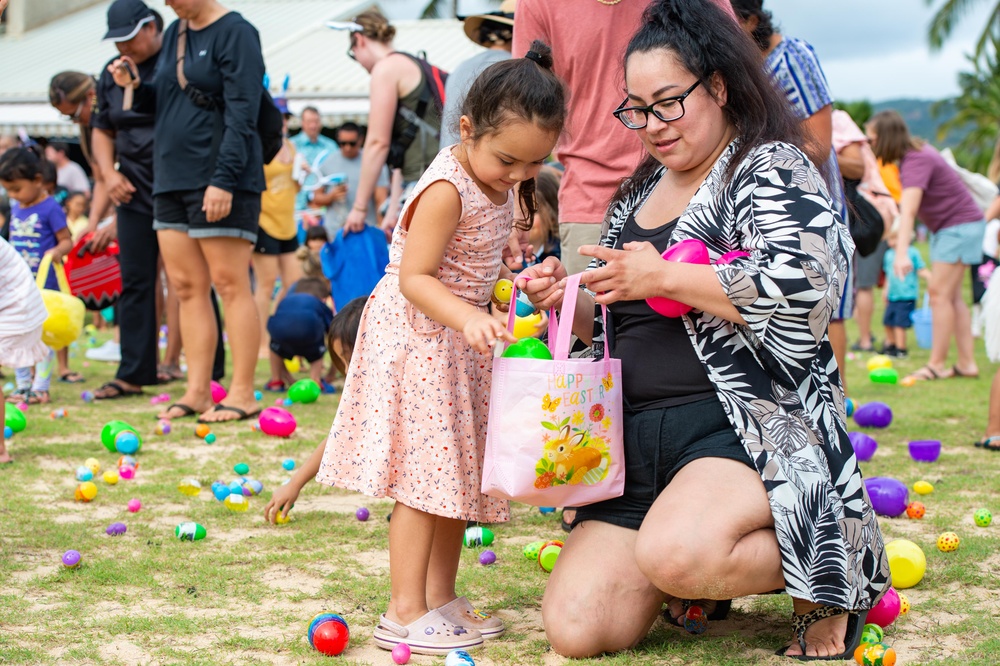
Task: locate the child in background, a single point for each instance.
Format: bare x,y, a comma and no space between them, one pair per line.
340,341
316,238
411,424
299,323
76,214
544,234
49,181
900,296
37,228
22,313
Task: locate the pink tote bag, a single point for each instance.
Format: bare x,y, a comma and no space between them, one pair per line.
555,427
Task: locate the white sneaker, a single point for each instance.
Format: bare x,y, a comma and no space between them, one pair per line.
110,352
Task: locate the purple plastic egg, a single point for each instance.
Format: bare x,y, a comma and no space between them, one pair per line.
873,415
362,514
116,529
889,496
71,559
487,557
864,445
925,450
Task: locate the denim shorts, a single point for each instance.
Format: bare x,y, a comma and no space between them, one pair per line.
897,314
181,211
961,244
658,443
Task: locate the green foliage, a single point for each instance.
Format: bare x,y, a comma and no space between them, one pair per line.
977,111
951,13
859,111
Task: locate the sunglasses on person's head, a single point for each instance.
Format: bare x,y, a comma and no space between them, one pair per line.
75,116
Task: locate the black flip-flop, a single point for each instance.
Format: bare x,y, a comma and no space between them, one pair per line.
119,391
186,411
988,443
72,377
243,416
852,637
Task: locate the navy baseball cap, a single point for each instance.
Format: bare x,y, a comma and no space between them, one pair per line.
126,18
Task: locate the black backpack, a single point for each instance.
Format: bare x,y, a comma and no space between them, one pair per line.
412,123
270,122
864,221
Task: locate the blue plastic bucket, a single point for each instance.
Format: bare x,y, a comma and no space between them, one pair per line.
922,326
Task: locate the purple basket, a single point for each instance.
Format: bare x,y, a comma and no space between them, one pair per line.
925,450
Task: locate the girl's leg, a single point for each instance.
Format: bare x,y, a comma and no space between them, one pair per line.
62,357
277,366
899,337
597,599
265,268
446,552
944,284
992,424
411,540
734,553
43,379
188,273
316,374
22,377
291,272
228,258
4,456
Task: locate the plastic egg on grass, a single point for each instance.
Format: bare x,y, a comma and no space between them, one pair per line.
127,442
241,468
111,477
330,637
134,505
884,376
879,654
292,365
872,633
85,492
923,488
110,432
873,415
210,438
916,510
163,428
304,391
478,536
549,554
277,422
219,392
401,653
459,658
849,406
885,611
487,557
879,362
84,473
87,396
8,432
983,517
221,491
254,486
127,472
864,445
116,529
904,604
15,420
201,430
362,514
925,450
190,531
531,550
282,519
907,563
546,510
948,542
287,402
889,497
71,559
190,487
237,503
93,465
288,464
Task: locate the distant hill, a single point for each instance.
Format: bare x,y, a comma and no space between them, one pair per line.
917,113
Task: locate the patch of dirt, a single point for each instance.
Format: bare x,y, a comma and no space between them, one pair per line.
373,561
124,651
287,579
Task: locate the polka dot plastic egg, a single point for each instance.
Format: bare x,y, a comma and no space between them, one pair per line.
904,604
916,510
872,633
983,517
948,542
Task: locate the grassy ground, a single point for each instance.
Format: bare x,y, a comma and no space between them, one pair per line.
246,593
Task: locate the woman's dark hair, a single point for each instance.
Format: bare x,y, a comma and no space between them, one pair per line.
709,43
747,9
893,139
317,231
157,19
518,89
344,328
20,163
70,87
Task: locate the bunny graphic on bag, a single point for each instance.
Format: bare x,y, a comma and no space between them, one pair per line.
577,454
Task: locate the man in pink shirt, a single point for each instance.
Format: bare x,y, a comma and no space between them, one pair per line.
588,39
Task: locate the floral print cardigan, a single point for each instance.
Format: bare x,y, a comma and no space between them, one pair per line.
777,376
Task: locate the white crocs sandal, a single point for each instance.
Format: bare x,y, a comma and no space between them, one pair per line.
460,611
432,634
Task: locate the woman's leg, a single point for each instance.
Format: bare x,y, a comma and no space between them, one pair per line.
597,599
966,363
411,540
944,284
291,272
721,546
228,259
265,268
189,276
172,305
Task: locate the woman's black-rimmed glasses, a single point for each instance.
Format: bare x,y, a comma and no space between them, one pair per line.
666,109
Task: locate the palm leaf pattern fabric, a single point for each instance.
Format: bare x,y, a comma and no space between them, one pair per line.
776,376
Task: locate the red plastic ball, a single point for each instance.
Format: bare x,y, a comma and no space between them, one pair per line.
331,638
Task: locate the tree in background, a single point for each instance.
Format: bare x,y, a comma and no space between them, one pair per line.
949,16
859,111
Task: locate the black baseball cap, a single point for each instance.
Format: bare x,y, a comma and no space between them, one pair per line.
126,18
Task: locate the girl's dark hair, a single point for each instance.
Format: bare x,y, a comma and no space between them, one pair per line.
344,328
317,231
518,89
747,9
313,286
709,43
893,139
20,163
547,201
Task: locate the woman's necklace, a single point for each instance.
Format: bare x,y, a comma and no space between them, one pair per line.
610,3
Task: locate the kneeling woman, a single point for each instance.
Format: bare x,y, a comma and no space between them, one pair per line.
740,476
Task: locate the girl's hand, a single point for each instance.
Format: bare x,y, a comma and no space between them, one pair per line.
630,274
123,71
281,502
217,204
482,332
902,265
545,288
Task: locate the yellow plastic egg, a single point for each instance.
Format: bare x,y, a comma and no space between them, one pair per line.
923,488
502,290
111,477
282,519
948,542
906,562
292,365
879,361
527,327
86,491
93,465
904,604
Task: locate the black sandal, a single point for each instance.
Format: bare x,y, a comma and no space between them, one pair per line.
852,636
721,611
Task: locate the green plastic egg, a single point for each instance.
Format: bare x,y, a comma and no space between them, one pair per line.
884,376
190,531
304,391
110,432
528,348
14,419
478,536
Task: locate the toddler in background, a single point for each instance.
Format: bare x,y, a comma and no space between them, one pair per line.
76,214
900,296
316,238
37,228
299,324
544,233
340,342
22,313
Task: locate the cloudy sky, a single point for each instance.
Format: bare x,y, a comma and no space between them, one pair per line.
870,49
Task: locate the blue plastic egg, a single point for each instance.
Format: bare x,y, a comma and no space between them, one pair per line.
288,464
84,473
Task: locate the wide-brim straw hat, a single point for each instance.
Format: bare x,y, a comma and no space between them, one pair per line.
505,16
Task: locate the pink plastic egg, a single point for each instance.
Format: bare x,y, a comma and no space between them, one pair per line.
126,472
134,505
688,251
731,256
886,610
401,653
219,392
277,422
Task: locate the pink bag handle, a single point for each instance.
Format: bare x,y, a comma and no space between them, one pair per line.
559,336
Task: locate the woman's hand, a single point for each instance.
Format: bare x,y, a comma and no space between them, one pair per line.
217,204
103,236
630,274
123,71
482,331
901,265
119,187
355,221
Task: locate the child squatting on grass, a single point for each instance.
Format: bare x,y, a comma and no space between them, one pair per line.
411,423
